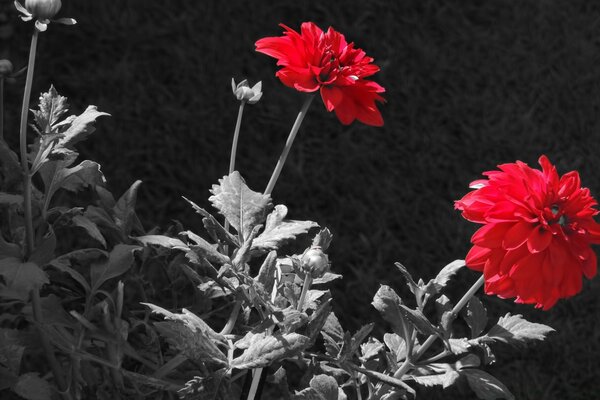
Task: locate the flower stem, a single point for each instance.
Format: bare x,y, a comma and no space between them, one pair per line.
236,137
461,303
305,287
232,318
288,144
2,108
23,147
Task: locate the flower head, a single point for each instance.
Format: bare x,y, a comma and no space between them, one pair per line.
315,262
243,92
537,229
315,60
43,11
6,68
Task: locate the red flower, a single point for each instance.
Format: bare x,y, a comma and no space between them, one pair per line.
315,60
535,241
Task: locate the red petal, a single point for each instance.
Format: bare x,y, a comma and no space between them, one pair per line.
303,82
517,235
477,257
539,239
590,265
490,235
332,97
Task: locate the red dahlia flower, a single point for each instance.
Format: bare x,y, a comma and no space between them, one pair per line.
537,229
315,60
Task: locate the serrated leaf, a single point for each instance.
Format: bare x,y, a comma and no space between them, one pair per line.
20,278
515,330
163,241
216,386
351,346
51,108
445,380
416,289
242,207
189,319
31,387
485,386
370,349
326,386
206,250
80,127
119,261
266,273
317,320
292,320
270,349
326,278
278,231
446,273
475,316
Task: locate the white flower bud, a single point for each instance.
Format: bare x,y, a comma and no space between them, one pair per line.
243,92
43,9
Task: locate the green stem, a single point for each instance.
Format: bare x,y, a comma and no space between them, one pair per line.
232,318
305,287
236,137
29,244
288,144
2,108
425,346
54,364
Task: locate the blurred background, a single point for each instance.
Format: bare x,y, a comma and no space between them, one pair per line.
469,84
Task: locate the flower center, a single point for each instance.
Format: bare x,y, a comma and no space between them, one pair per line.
556,212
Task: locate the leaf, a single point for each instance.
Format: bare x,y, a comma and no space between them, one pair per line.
323,239
124,210
90,227
270,349
476,316
7,199
9,250
51,108
213,227
31,387
445,380
242,207
326,386
215,386
387,302
206,250
419,320
317,320
485,386
163,241
416,289
76,178
11,349
20,278
352,345
515,330
190,334
370,349
119,261
278,231
80,127
446,273
396,344
266,273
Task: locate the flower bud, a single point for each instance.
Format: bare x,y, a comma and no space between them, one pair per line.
43,9
315,262
6,68
243,92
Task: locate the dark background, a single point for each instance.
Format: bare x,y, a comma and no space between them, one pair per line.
470,84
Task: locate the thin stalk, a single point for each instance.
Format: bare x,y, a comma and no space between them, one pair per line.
305,287
288,144
29,244
236,137
54,365
425,346
232,318
234,144
2,108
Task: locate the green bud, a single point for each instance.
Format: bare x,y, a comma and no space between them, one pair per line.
315,262
6,68
43,9
243,92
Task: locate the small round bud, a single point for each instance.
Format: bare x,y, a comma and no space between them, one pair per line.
43,9
315,262
6,68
